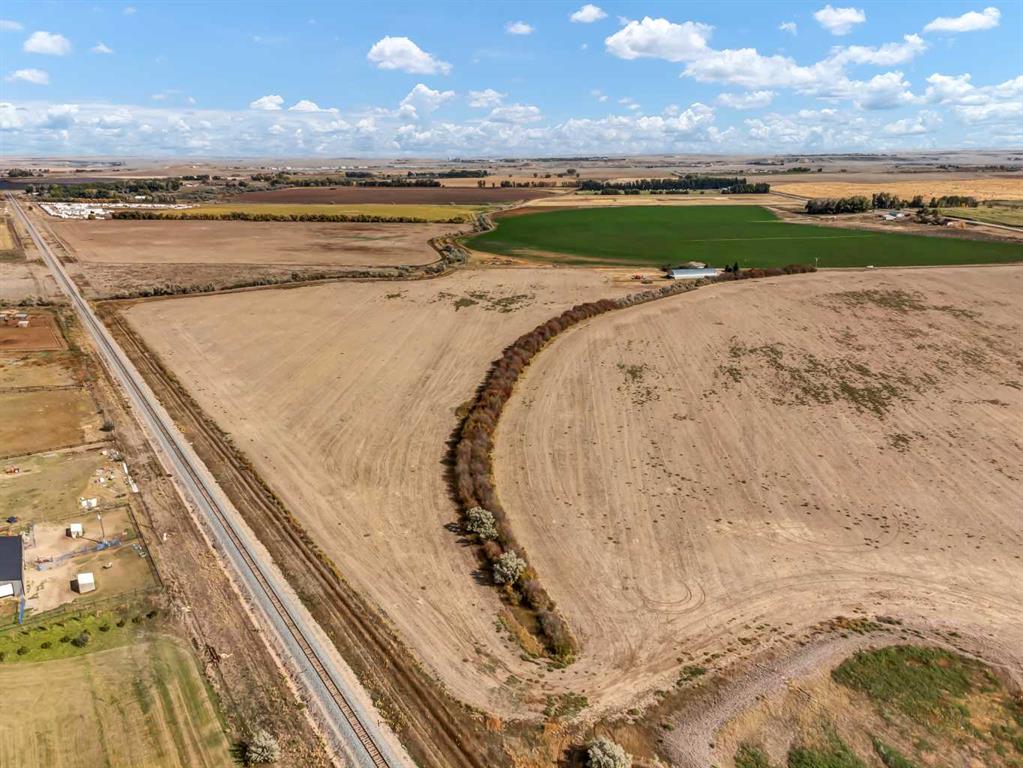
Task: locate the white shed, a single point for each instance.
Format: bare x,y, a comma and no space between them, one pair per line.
86,582
75,530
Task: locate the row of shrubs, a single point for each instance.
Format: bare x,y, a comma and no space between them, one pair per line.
483,516
327,218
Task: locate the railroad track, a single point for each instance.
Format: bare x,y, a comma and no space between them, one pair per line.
351,725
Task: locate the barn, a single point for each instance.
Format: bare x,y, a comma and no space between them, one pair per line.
685,273
12,582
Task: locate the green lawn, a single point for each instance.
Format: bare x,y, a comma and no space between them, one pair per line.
720,235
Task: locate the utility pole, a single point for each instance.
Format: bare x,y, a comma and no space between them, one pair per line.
103,532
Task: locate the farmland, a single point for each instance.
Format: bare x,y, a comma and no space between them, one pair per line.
249,243
719,235
136,705
990,188
426,212
346,411
50,418
1009,215
433,196
716,472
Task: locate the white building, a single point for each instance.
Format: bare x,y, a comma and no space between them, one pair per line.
85,582
691,274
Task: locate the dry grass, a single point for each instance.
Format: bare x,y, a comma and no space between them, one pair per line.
37,421
1006,188
428,212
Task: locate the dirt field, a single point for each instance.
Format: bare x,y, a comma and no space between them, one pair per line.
413,196
1004,188
50,418
718,471
620,201
142,706
346,411
47,369
245,242
41,335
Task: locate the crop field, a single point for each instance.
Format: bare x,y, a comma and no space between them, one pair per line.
50,418
468,195
346,410
719,471
991,188
249,242
438,213
139,706
720,235
1011,216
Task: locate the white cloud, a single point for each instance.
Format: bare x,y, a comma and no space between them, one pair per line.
34,76
515,113
599,95
304,105
968,22
130,10
101,48
885,91
747,68
271,103
47,43
588,14
425,99
629,103
925,122
518,28
839,21
789,26
977,104
7,25
276,129
660,39
748,100
488,98
886,55
402,54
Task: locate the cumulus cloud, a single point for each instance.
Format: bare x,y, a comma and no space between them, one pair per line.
422,98
101,48
748,100
47,43
660,39
972,21
515,113
588,14
789,26
629,103
271,103
402,54
599,95
303,105
886,55
34,76
839,21
518,28
925,122
7,25
976,104
488,98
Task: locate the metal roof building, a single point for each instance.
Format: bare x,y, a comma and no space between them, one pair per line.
691,274
12,582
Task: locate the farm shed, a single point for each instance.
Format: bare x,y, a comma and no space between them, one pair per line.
691,274
11,574
75,530
85,582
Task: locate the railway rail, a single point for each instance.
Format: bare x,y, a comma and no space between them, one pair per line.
351,724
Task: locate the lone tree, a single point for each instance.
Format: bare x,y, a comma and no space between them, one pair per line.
508,568
262,749
604,753
481,522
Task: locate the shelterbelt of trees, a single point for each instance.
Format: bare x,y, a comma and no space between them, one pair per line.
682,184
885,200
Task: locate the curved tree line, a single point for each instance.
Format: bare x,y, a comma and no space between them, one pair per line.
482,514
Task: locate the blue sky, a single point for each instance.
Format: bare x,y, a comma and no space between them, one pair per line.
488,78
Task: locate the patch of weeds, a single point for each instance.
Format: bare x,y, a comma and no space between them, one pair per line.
748,756
464,301
396,295
925,684
565,706
891,299
832,752
899,441
636,384
890,756
689,673
492,303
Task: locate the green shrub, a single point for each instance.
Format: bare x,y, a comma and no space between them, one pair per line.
604,753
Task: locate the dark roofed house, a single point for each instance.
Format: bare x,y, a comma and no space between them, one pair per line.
11,574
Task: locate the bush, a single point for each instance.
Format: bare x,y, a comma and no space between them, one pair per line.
481,522
22,650
508,568
604,753
82,639
45,644
262,749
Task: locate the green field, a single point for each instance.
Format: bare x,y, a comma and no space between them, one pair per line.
1010,215
720,235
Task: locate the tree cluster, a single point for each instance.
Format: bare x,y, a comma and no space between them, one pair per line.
332,218
757,188
687,182
855,204
103,190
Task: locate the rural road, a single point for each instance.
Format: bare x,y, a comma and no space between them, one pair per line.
354,727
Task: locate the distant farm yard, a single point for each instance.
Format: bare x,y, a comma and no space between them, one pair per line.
719,235
407,196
